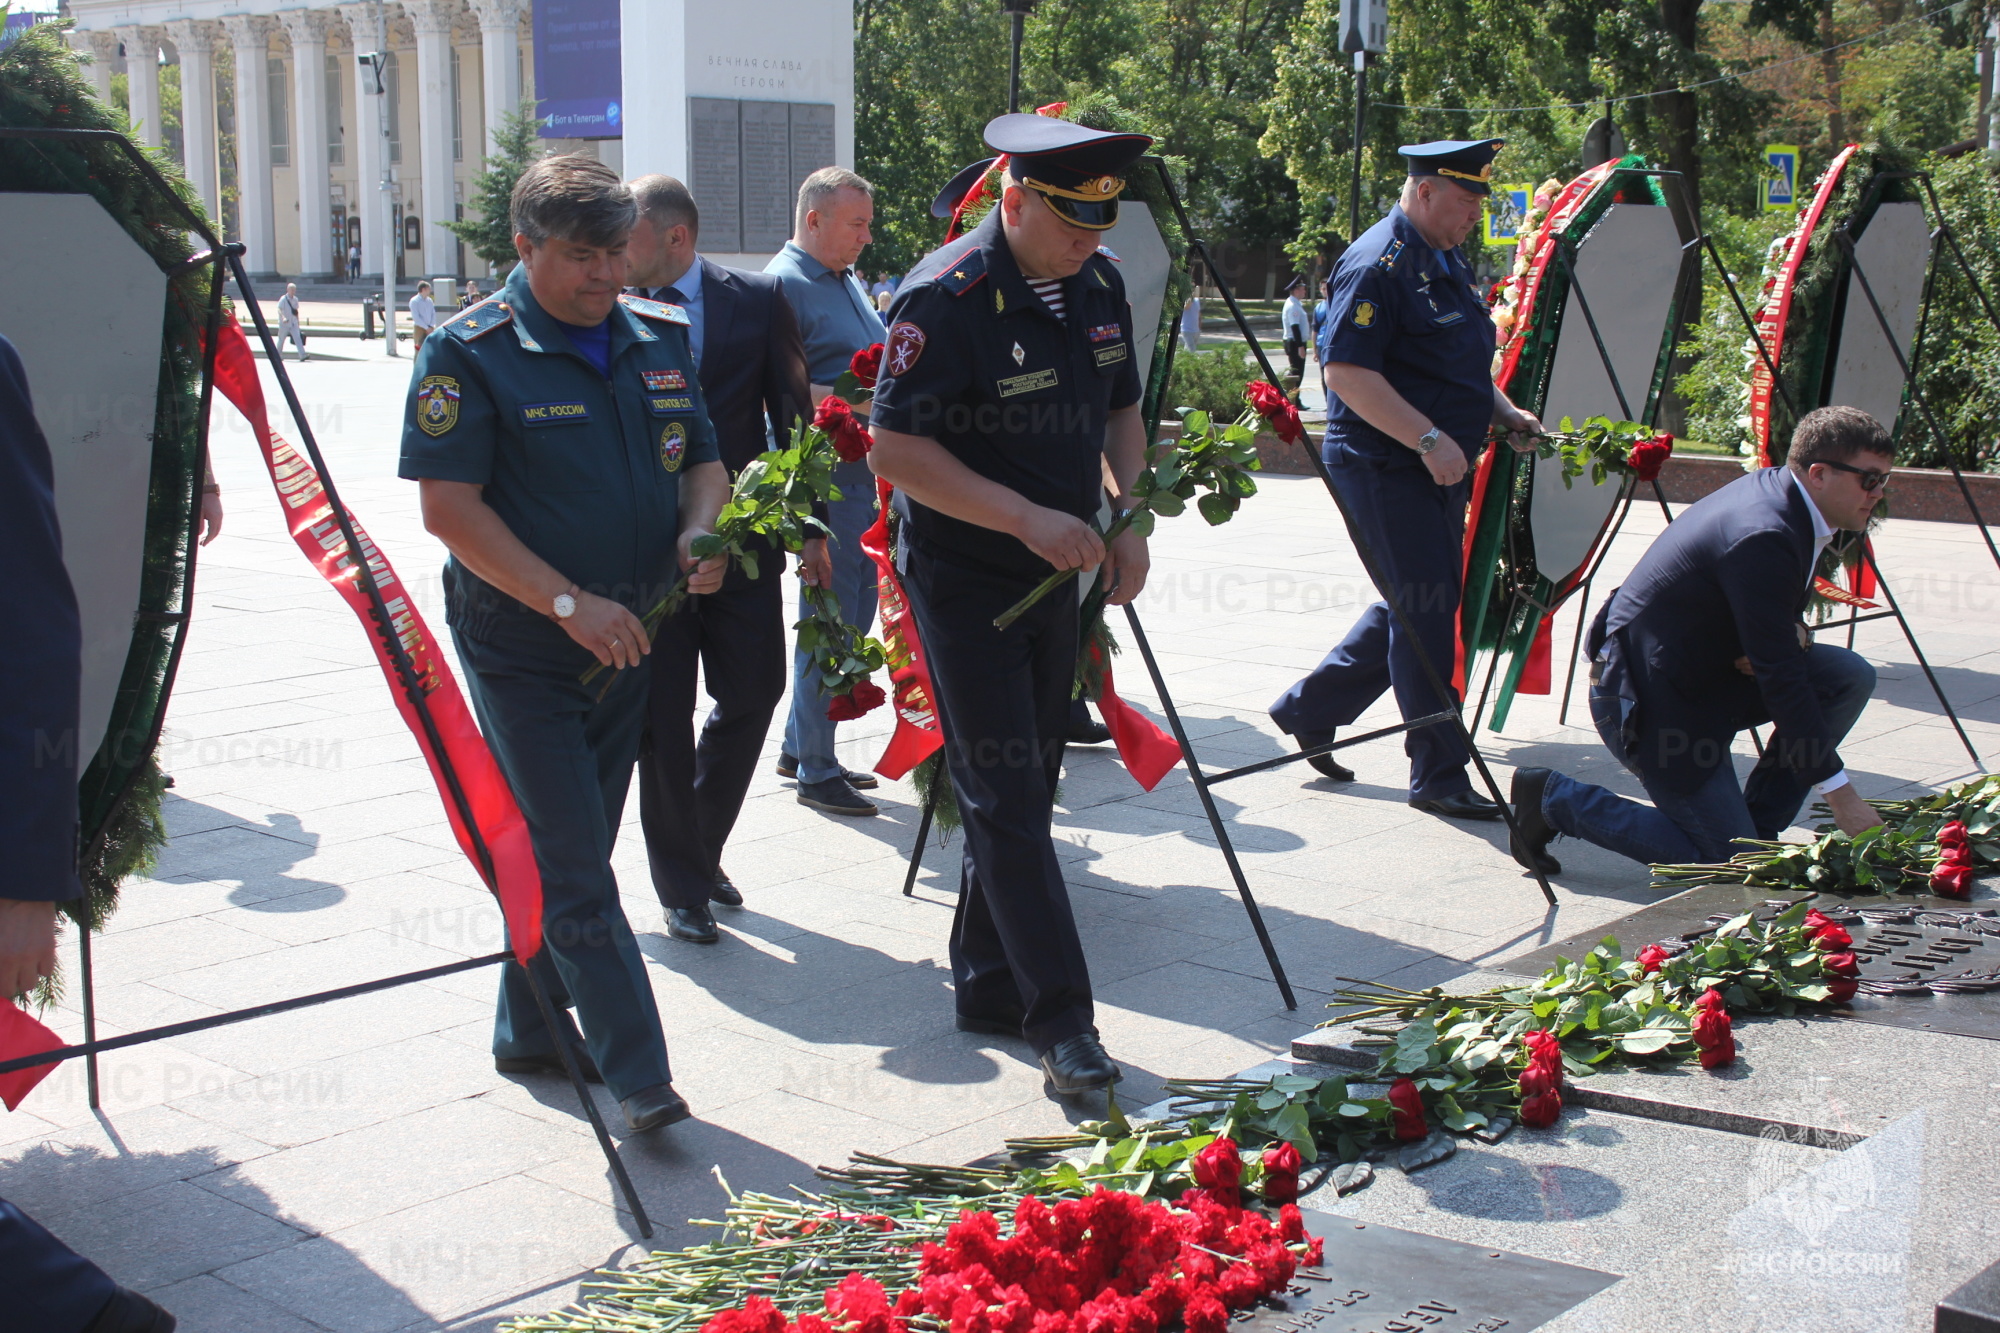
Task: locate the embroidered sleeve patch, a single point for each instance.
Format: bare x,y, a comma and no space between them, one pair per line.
1364,314
906,344
673,446
437,404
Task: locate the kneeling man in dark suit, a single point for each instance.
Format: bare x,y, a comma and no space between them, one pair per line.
1706,639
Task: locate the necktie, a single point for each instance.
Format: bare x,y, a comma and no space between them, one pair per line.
672,296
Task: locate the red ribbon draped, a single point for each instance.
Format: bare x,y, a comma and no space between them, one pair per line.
517,882
22,1035
1777,307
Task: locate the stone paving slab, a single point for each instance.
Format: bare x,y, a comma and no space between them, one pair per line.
310,850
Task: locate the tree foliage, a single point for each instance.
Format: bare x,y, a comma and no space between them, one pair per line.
488,228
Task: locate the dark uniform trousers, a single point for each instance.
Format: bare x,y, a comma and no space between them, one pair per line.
1415,529
45,1286
568,755
1003,699
690,793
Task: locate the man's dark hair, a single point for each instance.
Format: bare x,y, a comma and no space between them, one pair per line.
572,198
1836,435
665,202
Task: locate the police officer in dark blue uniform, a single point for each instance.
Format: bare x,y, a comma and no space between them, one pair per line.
567,460
1407,351
1008,404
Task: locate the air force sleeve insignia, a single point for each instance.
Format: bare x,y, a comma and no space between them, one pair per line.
1364,314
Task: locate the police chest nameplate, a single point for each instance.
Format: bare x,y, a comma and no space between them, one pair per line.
669,404
1030,382
553,414
1110,356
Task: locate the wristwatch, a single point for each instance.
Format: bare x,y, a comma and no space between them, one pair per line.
565,604
1429,440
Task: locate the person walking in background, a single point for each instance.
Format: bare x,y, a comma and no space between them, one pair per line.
1191,324
471,297
423,314
836,320
882,292
752,366
354,263
1296,329
288,321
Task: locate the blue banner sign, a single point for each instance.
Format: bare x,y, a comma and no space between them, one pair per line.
577,85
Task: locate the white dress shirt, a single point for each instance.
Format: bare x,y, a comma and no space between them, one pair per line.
1822,535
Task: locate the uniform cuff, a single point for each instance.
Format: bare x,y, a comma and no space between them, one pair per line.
1834,783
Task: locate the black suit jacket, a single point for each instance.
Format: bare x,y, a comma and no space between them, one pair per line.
752,361
1729,578
41,668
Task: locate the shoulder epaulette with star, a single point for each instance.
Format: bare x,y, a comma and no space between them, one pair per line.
1387,263
961,275
485,317
651,309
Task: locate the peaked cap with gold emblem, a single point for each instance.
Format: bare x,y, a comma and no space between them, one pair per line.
1078,170
1466,163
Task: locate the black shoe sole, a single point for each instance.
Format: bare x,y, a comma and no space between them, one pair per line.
991,1027
685,938
860,781
1325,766
1439,808
853,812
672,1117
1072,1089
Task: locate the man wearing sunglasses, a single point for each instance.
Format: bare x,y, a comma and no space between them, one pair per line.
1706,639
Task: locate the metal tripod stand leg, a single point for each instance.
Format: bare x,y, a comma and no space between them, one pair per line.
923,834
566,1049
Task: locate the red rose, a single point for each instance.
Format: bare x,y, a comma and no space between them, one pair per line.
1409,1113
1650,959
1832,938
1712,1031
1270,403
850,440
865,697
1537,1081
1841,989
1281,1173
1218,1168
1953,837
1952,880
1710,1001
1546,1051
1541,1112
1841,964
867,364
1649,456
1816,921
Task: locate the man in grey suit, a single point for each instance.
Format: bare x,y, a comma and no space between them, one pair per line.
751,363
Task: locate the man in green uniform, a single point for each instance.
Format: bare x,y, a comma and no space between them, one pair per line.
567,461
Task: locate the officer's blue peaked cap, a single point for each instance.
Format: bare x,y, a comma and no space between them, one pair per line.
1467,163
1078,170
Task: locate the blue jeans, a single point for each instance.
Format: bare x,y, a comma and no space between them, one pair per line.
1701,825
808,731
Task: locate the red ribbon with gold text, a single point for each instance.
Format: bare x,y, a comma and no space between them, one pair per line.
310,518
1777,307
917,734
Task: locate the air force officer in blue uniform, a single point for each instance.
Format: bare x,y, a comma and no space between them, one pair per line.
1407,350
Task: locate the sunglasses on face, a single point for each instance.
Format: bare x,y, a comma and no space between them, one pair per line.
1871,479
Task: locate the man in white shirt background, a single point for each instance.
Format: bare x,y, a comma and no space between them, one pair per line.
423,313
1296,329
288,321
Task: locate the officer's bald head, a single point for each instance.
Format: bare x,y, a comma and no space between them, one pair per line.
573,198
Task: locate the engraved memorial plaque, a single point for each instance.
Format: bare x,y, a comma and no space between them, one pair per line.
767,176
715,171
812,140
1380,1279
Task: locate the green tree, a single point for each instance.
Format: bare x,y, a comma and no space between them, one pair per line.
488,231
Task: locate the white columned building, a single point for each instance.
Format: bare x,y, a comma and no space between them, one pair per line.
194,40
142,80
308,30
737,97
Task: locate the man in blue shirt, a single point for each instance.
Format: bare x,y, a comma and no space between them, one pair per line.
1406,352
836,320
567,461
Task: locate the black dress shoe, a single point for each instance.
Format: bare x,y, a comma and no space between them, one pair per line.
1537,833
725,891
1459,805
129,1312
1325,763
649,1108
993,1025
836,796
549,1064
694,924
1078,1064
788,767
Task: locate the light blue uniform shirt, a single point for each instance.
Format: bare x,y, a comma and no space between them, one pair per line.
836,318
689,287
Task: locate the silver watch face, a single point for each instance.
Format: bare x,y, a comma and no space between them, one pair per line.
1427,441
565,606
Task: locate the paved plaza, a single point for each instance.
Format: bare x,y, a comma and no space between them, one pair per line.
359,1167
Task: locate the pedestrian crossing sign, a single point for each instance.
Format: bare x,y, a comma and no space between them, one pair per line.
1780,184
1506,209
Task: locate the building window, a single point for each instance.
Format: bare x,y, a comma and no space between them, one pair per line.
281,120
392,77
457,112
336,134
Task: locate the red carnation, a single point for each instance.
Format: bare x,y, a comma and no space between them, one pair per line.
865,697
1650,959
1271,404
1712,1030
1409,1113
867,364
1541,1112
1649,456
850,440
758,1315
1281,1173
1218,1168
1952,879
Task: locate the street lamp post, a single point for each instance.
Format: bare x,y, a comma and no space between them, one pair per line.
376,60
1017,12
